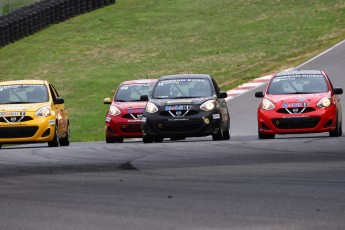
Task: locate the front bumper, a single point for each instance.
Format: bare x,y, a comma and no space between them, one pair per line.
203,124
40,129
122,127
320,120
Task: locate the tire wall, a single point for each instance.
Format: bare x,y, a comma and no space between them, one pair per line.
35,17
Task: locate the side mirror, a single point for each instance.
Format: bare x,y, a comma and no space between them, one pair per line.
222,94
259,94
107,101
144,98
59,101
338,91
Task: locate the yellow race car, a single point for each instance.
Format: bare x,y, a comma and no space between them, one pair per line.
32,111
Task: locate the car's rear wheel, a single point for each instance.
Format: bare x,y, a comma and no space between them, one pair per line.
55,142
265,136
147,139
338,131
66,140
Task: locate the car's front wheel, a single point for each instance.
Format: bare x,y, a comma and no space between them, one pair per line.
147,139
109,140
219,135
265,136
119,139
55,142
226,134
65,141
158,139
338,131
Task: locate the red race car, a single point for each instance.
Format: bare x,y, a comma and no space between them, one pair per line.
300,101
123,120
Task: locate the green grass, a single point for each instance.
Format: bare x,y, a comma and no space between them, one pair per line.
234,41
11,5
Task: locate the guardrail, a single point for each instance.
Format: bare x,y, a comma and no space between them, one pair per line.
35,17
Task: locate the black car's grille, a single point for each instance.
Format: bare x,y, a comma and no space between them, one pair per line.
18,132
295,110
131,128
15,119
180,126
178,113
296,123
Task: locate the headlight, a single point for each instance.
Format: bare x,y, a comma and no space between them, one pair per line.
151,108
43,112
114,111
267,104
324,102
208,105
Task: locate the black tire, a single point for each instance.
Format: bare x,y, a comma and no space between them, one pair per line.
158,139
119,139
226,135
265,136
0,146
338,131
219,135
56,141
147,139
177,138
65,141
109,140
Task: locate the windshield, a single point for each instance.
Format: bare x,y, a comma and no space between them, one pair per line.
298,84
21,93
133,92
183,88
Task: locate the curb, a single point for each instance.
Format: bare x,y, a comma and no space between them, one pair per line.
250,85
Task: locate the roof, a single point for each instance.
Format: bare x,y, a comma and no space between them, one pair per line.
28,82
298,72
176,76
140,81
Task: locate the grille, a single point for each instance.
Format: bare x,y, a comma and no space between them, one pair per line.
299,110
296,123
132,116
183,112
25,118
180,126
131,128
18,132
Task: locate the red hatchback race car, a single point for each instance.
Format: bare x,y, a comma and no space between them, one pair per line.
300,101
123,120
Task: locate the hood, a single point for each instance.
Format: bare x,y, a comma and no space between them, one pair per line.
130,105
293,98
180,101
32,107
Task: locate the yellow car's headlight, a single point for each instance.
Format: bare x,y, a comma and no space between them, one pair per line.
43,112
151,108
208,105
267,104
324,102
114,111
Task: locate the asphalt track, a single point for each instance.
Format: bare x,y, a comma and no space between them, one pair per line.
291,182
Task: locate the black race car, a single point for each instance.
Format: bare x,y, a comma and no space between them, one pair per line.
185,105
